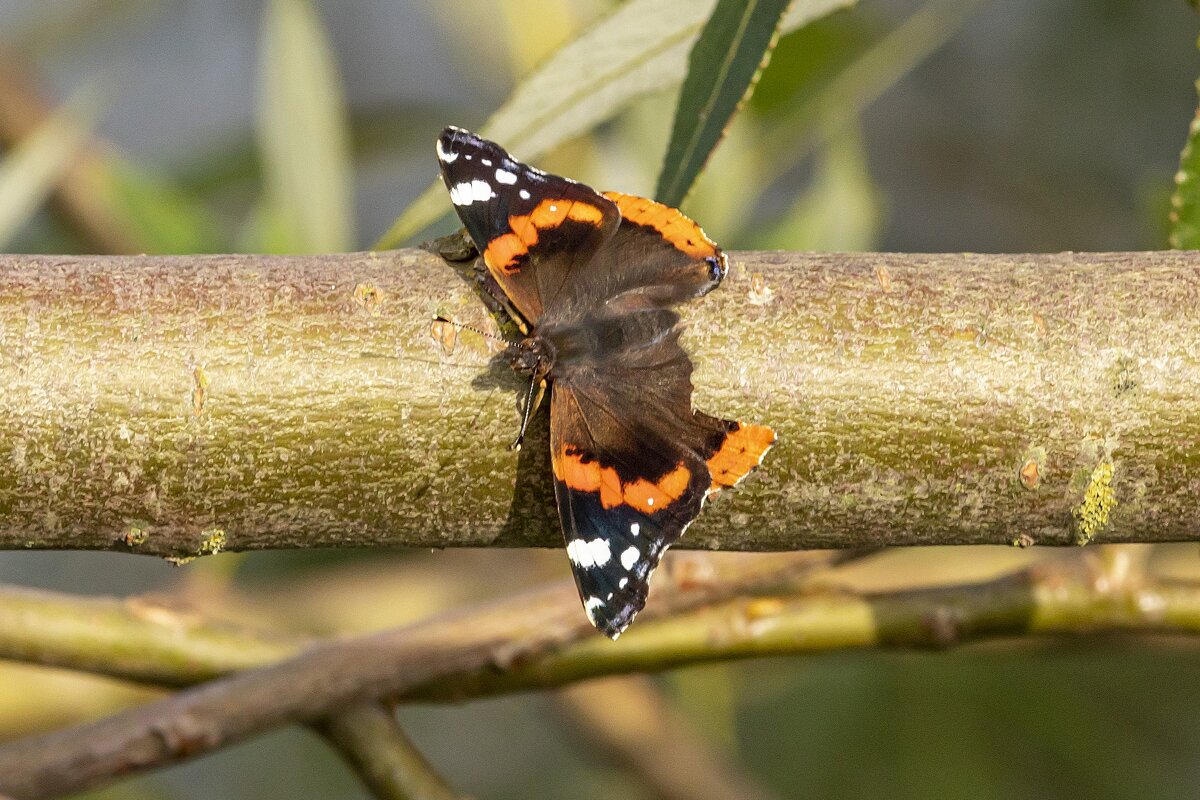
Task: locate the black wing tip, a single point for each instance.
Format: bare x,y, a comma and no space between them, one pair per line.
614,613
453,133
614,626
452,141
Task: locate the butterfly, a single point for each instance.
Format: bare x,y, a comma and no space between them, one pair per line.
595,278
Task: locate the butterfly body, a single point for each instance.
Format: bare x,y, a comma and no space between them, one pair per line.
595,277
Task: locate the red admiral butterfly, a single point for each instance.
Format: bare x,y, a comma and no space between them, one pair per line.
594,276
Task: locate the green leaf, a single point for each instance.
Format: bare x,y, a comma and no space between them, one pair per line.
731,52
41,159
1185,203
641,47
303,133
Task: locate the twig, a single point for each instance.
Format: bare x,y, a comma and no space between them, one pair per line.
328,677
539,640
1073,597
388,763
144,640
139,639
247,402
155,640
322,680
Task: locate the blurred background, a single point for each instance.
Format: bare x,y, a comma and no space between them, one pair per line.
184,126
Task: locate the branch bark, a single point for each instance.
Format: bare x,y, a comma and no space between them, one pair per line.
180,406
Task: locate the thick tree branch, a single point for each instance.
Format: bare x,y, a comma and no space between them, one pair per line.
182,406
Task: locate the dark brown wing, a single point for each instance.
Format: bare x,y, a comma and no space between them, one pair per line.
657,258
535,230
633,464
627,488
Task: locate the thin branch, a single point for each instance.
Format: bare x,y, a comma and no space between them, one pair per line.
144,640
246,402
388,763
157,641
139,639
1065,598
328,678
301,690
538,640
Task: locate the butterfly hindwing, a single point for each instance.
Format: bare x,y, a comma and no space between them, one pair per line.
623,497
731,449
534,230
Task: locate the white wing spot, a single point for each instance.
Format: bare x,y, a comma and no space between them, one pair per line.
487,162
504,176
649,500
630,557
469,156
635,529
443,156
553,208
590,605
595,553
477,191
524,194
621,584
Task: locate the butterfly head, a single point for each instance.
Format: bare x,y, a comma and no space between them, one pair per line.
533,355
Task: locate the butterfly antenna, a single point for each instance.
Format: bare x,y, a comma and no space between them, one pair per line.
516,445
472,328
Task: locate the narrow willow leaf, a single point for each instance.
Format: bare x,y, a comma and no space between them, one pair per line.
641,47
303,132
731,52
1185,203
39,161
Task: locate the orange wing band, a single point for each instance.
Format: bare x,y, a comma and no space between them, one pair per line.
683,234
742,451
503,254
643,495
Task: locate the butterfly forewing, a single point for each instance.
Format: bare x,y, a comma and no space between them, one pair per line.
534,230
